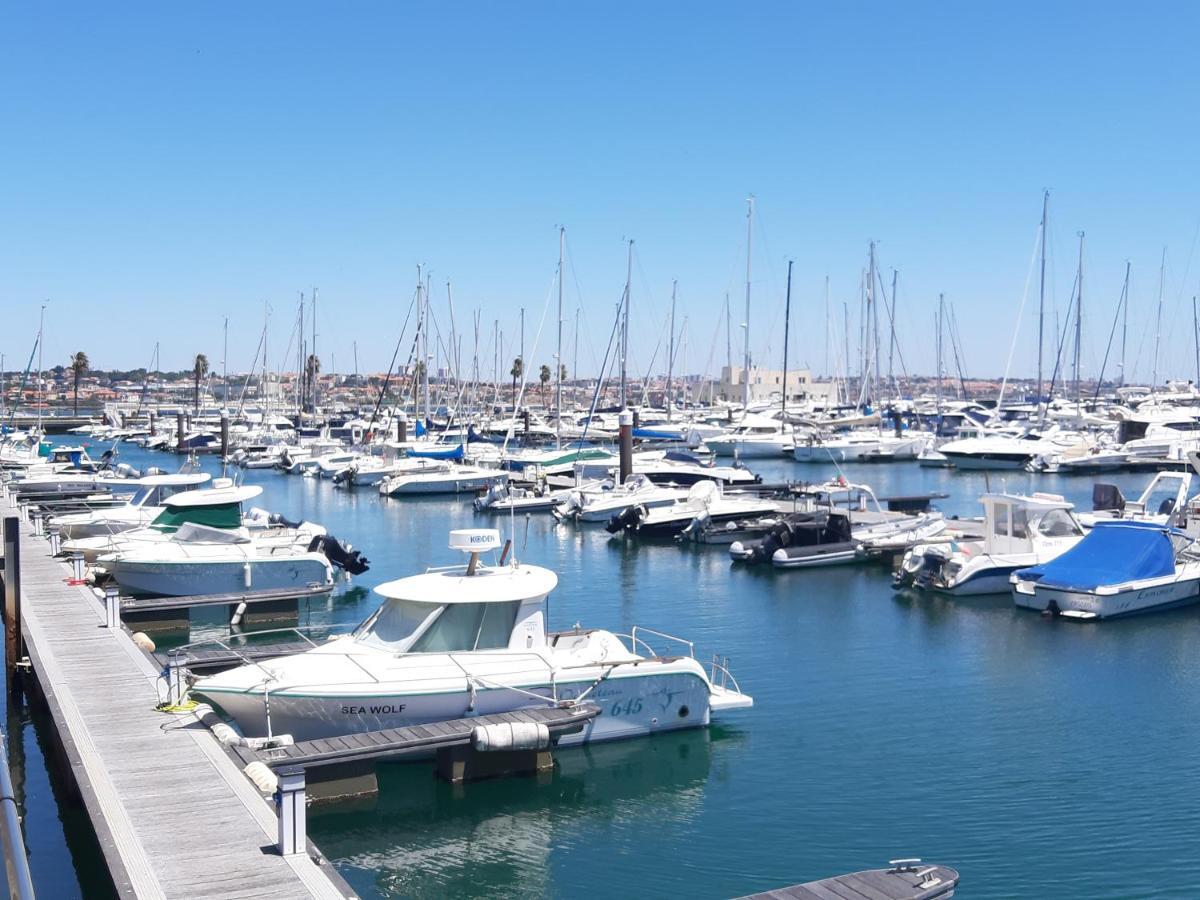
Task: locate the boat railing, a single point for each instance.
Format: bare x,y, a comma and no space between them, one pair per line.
634,640
720,676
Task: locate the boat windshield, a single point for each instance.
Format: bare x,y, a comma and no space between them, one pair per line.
455,627
142,495
220,515
392,625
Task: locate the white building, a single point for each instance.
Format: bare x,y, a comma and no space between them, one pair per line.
767,385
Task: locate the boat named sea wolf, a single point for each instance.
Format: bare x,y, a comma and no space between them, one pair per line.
466,640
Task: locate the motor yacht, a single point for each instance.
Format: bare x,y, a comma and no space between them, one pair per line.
471,640
139,510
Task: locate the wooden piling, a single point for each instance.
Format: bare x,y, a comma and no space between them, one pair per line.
13,651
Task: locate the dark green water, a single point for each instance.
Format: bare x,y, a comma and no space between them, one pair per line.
1040,758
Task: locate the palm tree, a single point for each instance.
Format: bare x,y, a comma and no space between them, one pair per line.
544,378
517,370
79,365
199,370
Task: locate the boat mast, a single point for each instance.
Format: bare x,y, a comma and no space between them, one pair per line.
301,373
558,363
1124,321
225,368
1079,321
873,324
892,339
938,320
1162,269
746,323
787,319
1042,297
314,351
625,324
1196,338
671,349
41,377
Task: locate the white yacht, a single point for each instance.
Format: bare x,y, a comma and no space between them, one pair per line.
753,437
1120,568
706,503
139,510
437,477
857,446
599,501
472,640
1019,531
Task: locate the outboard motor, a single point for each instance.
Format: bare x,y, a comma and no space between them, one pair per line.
278,519
1107,498
931,567
343,556
696,528
625,520
495,492
345,476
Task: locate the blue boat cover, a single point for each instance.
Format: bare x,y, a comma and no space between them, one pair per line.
680,456
657,434
421,429
1112,553
455,452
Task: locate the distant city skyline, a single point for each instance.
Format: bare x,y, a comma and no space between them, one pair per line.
171,167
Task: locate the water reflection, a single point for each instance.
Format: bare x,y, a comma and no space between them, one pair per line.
424,837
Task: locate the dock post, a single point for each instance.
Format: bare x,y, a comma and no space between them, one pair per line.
150,415
179,433
55,540
77,565
13,652
625,423
175,680
35,518
112,607
224,435
401,428
525,419
290,801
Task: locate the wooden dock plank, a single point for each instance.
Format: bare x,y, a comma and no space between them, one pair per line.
169,806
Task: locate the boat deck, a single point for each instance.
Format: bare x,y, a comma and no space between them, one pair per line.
173,814
414,738
910,883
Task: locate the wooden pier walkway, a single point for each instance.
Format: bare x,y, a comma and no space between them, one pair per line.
174,815
907,881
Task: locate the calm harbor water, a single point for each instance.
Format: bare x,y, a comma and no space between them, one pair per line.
1039,757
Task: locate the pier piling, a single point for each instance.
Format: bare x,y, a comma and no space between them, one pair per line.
625,421
13,652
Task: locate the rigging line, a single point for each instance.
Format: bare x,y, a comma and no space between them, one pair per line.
525,369
579,302
391,366
1121,301
955,340
1058,361
600,380
895,341
1012,347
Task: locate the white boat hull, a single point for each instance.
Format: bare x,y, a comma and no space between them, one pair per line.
1109,606
632,704
182,579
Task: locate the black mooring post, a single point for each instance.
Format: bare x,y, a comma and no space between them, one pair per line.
12,602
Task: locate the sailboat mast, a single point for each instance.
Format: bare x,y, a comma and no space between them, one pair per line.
671,349
301,372
225,368
787,320
1196,338
892,339
558,363
41,377
625,325
1079,321
1162,270
1042,296
728,337
746,323
940,316
1124,320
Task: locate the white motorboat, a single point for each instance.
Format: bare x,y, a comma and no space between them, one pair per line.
753,437
1163,502
599,501
221,507
1019,531
858,446
141,509
1119,569
994,452
471,640
437,477
672,467
199,559
502,498
706,503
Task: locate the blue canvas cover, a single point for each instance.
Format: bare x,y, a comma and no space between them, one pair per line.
1112,553
455,452
657,434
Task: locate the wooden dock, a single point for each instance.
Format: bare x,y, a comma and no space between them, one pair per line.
174,815
906,880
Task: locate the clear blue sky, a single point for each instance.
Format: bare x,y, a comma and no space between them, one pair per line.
166,165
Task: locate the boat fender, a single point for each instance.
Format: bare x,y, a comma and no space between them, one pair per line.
262,777
225,735
142,640
510,736
265,743
246,575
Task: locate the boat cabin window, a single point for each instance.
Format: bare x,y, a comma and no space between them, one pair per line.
1057,523
1020,522
1000,526
395,622
469,626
